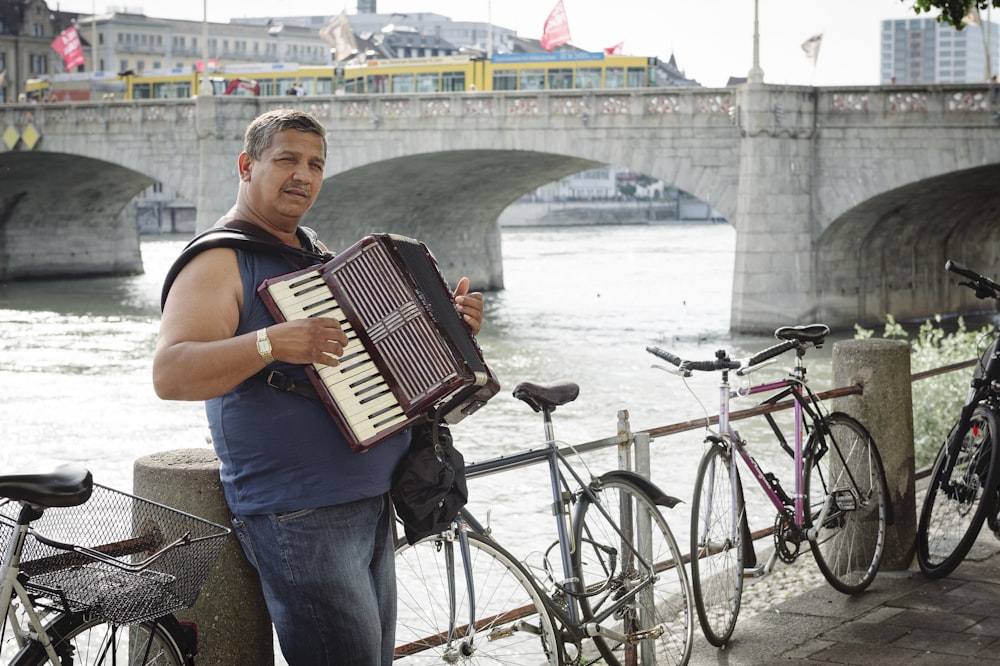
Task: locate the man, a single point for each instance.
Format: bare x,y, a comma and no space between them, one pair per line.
312,516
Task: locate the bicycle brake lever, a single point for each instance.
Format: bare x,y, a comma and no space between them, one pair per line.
745,370
672,370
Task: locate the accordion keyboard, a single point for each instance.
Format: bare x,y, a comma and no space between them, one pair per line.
355,383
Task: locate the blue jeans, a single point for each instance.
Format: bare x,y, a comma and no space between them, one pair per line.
329,581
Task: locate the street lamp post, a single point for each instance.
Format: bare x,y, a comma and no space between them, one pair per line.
93,36
756,74
205,85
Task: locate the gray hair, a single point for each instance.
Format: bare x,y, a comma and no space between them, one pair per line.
262,129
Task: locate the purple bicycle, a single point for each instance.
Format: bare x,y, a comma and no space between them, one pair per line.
838,503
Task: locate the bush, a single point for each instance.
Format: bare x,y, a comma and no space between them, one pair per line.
937,399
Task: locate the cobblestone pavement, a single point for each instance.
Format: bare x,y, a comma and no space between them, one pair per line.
793,616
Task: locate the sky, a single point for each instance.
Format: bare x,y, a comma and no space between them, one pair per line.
710,39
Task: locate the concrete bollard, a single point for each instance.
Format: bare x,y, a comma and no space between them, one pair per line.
233,624
882,368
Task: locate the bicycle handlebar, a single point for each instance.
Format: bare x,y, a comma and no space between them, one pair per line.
982,285
723,363
772,351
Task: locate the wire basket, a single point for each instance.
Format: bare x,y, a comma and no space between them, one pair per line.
128,559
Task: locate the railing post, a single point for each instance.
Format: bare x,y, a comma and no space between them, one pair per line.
233,624
882,368
642,460
624,441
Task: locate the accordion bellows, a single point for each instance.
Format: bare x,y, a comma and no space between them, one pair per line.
409,353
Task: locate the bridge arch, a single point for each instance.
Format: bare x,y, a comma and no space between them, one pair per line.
887,254
450,199
61,215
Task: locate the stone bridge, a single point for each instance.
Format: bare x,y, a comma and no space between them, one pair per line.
846,201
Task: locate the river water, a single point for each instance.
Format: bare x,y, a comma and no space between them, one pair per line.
580,303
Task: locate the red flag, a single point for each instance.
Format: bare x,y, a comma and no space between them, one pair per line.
614,50
556,30
67,44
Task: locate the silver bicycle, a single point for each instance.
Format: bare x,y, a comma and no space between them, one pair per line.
92,575
613,587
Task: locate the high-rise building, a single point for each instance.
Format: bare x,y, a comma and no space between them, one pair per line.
921,50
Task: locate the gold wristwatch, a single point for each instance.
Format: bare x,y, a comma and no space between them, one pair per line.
264,346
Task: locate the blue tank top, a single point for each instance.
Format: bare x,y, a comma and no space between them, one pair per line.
280,451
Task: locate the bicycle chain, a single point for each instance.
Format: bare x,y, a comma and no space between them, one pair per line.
786,537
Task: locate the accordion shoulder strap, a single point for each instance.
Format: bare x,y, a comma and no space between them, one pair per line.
245,236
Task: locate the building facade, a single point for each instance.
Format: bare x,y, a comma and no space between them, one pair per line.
921,50
27,28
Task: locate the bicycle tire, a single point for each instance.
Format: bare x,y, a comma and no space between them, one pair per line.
512,624
717,548
612,557
957,501
848,472
91,641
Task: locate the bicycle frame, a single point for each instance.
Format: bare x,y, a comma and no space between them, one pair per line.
803,408
11,588
570,616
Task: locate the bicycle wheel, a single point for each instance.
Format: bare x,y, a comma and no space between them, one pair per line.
511,624
84,640
717,545
633,576
844,477
960,495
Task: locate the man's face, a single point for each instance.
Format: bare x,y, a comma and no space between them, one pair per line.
284,182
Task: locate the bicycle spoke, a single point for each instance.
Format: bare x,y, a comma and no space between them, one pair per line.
716,548
847,503
957,501
510,626
636,585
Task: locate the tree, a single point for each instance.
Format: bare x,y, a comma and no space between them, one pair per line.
952,11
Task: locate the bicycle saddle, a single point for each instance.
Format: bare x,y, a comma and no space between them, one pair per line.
67,485
547,396
814,333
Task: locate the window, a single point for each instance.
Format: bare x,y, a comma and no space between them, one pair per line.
378,83
453,81
427,82
588,78
505,79
324,86
39,64
560,79
402,83
614,77
532,79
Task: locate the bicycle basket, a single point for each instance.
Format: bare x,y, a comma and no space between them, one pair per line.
129,560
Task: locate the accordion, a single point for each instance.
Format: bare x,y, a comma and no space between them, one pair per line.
409,352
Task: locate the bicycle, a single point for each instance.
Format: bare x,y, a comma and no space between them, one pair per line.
612,586
838,504
962,492
110,601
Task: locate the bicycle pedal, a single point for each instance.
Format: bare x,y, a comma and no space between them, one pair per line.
755,572
844,499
